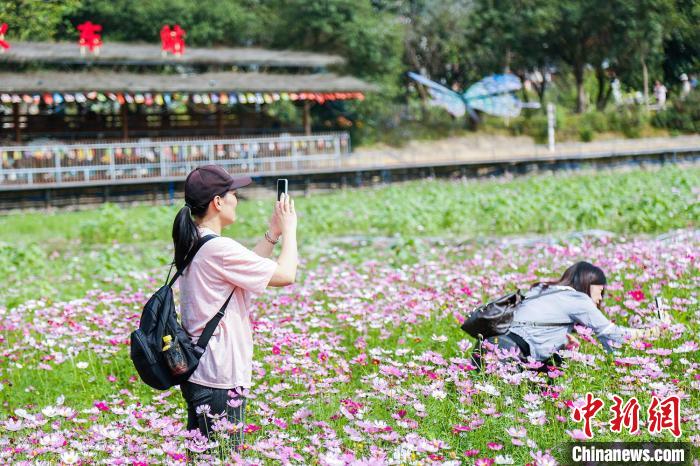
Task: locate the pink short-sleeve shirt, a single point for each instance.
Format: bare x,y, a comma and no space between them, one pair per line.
218,266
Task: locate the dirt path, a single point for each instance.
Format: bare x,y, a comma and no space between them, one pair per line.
498,148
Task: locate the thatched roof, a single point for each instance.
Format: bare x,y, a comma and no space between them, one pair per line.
150,54
50,81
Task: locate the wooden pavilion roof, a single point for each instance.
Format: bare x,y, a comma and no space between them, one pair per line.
100,81
150,54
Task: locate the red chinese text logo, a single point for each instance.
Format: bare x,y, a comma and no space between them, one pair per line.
625,416
3,44
172,40
662,414
90,37
665,414
587,412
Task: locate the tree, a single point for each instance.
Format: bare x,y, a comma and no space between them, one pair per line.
681,46
207,22
368,39
582,35
35,19
514,36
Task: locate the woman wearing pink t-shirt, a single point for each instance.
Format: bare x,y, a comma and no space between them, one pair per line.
223,375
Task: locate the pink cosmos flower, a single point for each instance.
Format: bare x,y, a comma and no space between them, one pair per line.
101,405
543,459
460,428
235,402
637,295
251,428
577,434
518,432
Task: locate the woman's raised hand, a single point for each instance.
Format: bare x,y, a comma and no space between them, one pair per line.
286,215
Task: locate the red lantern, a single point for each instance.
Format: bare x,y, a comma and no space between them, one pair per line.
3,45
172,40
89,37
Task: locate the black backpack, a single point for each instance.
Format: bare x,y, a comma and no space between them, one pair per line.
496,317
159,318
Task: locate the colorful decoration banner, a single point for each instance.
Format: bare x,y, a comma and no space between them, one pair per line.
167,99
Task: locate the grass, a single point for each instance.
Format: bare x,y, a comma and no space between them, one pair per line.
639,200
66,253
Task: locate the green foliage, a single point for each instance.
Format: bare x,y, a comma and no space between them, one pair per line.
111,223
545,203
206,22
369,40
13,257
681,116
629,120
284,111
35,19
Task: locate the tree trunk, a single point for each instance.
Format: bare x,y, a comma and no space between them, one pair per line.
602,79
540,93
413,58
645,78
580,93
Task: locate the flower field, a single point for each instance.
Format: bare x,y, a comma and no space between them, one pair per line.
362,361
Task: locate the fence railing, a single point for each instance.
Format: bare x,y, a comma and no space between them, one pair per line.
76,164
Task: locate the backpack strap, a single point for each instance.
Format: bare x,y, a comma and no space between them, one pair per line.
189,257
543,324
520,341
210,327
544,294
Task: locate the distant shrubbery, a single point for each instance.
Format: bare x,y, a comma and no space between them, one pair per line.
624,121
682,116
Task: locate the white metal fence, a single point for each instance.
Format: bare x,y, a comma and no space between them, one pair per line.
94,164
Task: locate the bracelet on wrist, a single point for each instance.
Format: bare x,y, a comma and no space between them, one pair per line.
268,237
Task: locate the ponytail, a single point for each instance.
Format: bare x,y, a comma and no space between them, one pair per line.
185,235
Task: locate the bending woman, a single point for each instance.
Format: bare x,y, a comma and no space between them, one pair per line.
223,375
543,323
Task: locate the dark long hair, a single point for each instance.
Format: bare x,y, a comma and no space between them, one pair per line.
580,277
185,234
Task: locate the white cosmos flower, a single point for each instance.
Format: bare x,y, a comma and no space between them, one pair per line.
69,457
81,365
504,459
49,411
487,388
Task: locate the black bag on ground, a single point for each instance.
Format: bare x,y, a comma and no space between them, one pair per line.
159,318
495,317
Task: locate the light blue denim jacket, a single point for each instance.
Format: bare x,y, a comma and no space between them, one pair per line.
567,306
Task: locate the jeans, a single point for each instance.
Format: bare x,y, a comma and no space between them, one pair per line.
197,395
503,342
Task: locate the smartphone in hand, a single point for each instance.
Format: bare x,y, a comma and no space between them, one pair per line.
282,185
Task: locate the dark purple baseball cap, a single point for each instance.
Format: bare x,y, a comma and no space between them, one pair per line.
208,181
